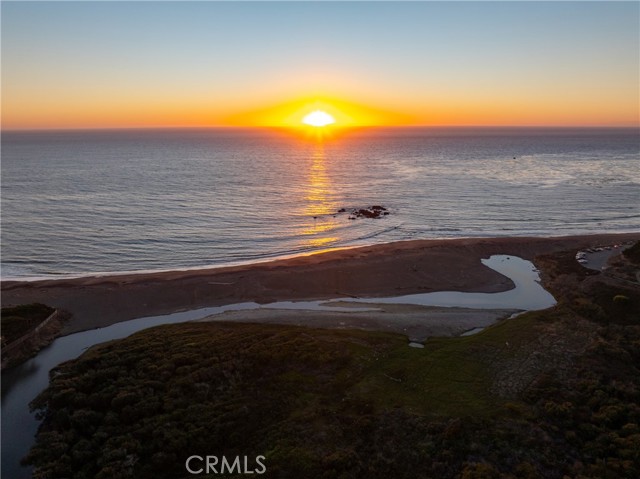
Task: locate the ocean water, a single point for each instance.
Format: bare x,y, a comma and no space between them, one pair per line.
82,202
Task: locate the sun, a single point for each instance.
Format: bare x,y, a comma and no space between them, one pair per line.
318,118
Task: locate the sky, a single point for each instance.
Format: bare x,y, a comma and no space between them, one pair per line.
156,64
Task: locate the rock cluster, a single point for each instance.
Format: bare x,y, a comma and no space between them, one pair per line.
375,211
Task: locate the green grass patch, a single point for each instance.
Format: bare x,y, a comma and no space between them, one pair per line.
450,376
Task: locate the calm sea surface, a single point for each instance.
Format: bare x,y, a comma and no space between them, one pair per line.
103,201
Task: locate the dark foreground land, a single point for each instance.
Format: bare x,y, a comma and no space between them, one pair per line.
26,329
549,394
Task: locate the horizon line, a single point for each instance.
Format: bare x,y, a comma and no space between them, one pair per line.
333,127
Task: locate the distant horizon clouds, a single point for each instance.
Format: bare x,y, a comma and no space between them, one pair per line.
166,64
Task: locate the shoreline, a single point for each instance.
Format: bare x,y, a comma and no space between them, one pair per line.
390,269
186,269
276,257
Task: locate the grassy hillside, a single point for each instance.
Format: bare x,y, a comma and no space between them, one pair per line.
545,395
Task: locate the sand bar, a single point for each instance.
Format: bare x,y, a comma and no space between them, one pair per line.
416,322
400,268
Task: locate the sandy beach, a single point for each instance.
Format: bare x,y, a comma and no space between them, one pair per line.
373,271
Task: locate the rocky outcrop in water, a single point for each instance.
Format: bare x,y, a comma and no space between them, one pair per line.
375,211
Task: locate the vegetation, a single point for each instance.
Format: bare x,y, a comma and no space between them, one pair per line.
633,253
19,320
549,394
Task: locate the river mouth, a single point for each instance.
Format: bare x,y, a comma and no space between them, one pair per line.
528,294
24,382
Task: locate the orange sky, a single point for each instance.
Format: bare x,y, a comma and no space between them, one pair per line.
111,64
136,110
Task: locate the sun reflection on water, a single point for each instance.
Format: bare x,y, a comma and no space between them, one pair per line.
320,205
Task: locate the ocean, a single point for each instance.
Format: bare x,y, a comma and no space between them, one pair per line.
85,202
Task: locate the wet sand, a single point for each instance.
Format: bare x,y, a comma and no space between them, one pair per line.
400,268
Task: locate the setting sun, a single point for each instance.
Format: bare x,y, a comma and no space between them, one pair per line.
318,118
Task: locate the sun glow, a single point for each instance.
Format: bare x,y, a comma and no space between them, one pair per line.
318,118
317,114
